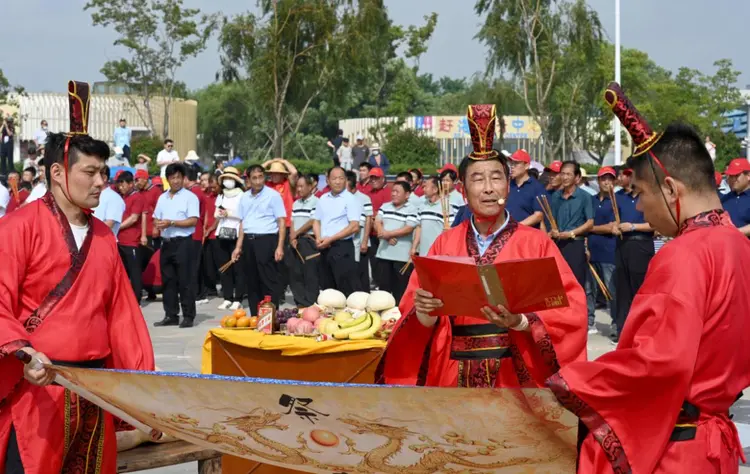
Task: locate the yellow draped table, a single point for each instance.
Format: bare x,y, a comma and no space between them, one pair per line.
248,353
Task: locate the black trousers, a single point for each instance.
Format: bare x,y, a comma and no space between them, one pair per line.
631,262
13,463
178,261
210,271
392,280
126,152
196,253
337,267
231,280
304,275
285,266
132,260
6,157
370,260
574,252
261,271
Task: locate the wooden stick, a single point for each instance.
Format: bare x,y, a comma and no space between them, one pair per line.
405,267
226,266
551,214
601,284
547,211
312,256
615,209
299,254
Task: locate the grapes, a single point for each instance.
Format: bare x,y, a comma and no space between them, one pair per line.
283,315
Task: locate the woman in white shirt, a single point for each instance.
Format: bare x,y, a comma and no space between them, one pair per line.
227,231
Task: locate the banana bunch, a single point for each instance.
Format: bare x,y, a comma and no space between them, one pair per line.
363,327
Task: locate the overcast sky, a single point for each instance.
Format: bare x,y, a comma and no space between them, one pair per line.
48,42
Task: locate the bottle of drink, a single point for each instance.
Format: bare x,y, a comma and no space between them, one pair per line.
266,316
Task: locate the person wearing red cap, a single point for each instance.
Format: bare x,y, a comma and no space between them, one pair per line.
523,204
737,201
552,176
132,230
601,245
379,195
501,349
659,403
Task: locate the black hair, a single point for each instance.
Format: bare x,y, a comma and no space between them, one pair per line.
125,177
403,185
417,172
463,168
168,140
31,170
253,168
351,179
534,173
452,174
308,178
684,155
24,185
406,175
434,180
175,168
575,165
191,173
366,164
345,140
78,145
339,132
313,177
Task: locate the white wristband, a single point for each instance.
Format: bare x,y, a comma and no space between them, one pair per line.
523,325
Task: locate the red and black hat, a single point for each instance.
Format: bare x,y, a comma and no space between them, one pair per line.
482,122
644,137
79,98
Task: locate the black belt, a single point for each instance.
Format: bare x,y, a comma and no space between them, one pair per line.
687,421
82,364
479,342
644,237
175,239
259,236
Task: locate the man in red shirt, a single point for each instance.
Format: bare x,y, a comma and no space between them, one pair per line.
379,194
363,183
132,230
210,265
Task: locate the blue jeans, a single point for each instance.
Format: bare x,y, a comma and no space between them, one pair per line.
606,272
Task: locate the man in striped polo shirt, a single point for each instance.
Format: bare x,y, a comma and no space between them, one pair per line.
431,218
361,239
394,225
304,280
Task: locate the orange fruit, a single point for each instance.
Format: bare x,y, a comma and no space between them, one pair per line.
243,322
231,322
253,321
238,313
324,438
224,321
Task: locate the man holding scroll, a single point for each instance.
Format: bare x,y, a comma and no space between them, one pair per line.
660,402
463,351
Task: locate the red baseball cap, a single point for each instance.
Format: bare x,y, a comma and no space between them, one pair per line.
737,166
376,173
555,166
448,167
605,171
521,155
141,174
117,175
717,178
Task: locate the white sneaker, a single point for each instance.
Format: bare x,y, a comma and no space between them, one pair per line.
235,306
201,302
593,330
225,305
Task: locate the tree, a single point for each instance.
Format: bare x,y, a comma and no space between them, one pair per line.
159,35
530,39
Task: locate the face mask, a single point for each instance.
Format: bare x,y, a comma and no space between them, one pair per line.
376,153
229,183
44,128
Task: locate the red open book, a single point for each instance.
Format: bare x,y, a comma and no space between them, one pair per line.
522,286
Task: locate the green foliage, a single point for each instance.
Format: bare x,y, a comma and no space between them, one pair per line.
149,146
412,147
728,147
159,35
303,166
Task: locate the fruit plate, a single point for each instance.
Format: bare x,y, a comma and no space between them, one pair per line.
240,329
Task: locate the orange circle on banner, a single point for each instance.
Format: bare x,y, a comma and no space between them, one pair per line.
324,438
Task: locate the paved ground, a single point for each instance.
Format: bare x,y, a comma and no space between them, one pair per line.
179,350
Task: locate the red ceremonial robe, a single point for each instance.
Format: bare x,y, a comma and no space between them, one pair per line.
685,340
417,355
75,306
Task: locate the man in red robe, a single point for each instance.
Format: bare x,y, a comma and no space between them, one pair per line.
660,402
65,297
503,350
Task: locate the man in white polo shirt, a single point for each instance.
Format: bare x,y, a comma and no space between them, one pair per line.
111,205
336,221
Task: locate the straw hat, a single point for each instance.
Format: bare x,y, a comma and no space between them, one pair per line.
277,167
230,172
192,156
145,157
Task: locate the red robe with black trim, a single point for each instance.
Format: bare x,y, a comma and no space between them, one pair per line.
417,355
74,306
685,340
